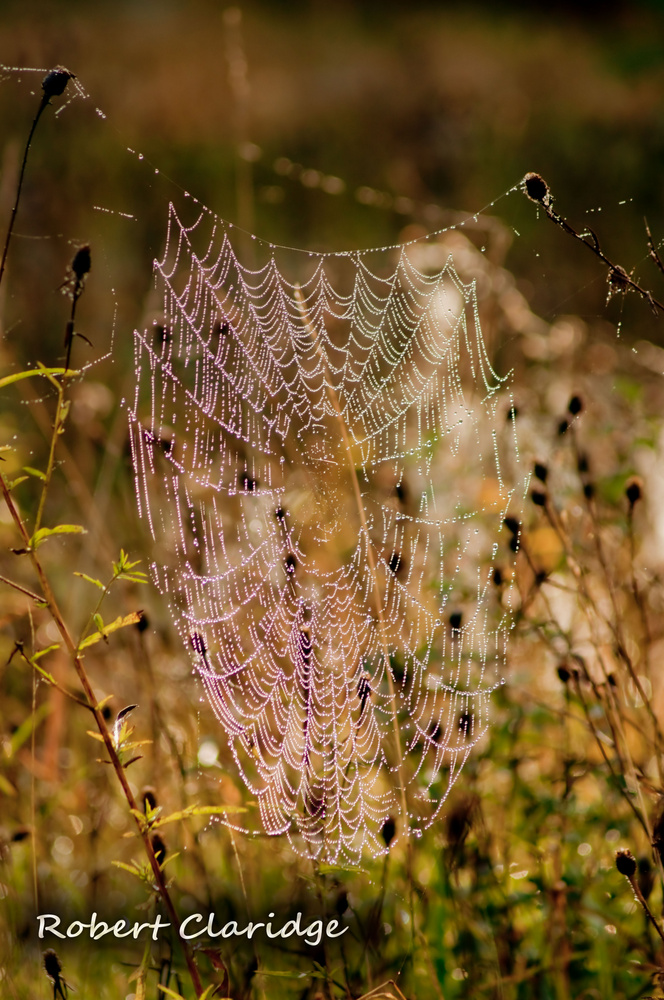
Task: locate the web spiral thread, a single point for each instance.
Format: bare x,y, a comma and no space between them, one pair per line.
301,456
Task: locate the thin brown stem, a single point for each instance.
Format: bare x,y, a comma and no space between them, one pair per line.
536,188
10,230
77,661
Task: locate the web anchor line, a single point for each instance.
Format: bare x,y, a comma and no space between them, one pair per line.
301,452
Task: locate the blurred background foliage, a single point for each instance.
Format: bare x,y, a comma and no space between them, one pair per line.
340,126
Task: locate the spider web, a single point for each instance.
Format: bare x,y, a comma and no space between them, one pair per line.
301,455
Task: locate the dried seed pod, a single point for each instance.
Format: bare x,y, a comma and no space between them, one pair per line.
388,830
512,524
82,262
625,862
541,472
455,620
536,188
575,405
564,673
538,497
634,490
54,83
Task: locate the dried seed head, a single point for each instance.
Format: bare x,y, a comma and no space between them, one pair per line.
536,188
538,497
575,405
81,262
498,577
563,427
564,673
52,965
455,621
588,491
582,464
394,562
512,413
633,490
541,471
625,862
54,83
512,524
388,829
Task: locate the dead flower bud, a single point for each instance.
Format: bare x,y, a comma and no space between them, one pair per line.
575,405
536,188
541,471
388,829
53,969
563,673
512,524
54,83
538,497
81,263
633,490
625,863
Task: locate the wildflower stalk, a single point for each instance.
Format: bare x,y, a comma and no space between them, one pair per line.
56,615
53,85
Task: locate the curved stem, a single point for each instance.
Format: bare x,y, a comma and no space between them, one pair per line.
43,104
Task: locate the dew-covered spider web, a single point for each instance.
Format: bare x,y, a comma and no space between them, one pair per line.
317,457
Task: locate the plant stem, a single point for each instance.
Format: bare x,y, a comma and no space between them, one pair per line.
77,661
42,105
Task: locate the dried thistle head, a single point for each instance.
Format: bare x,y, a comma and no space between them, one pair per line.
625,863
535,187
55,81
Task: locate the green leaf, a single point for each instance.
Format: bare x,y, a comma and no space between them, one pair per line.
60,529
43,652
47,372
170,993
197,811
6,787
130,619
35,472
351,869
24,731
91,579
